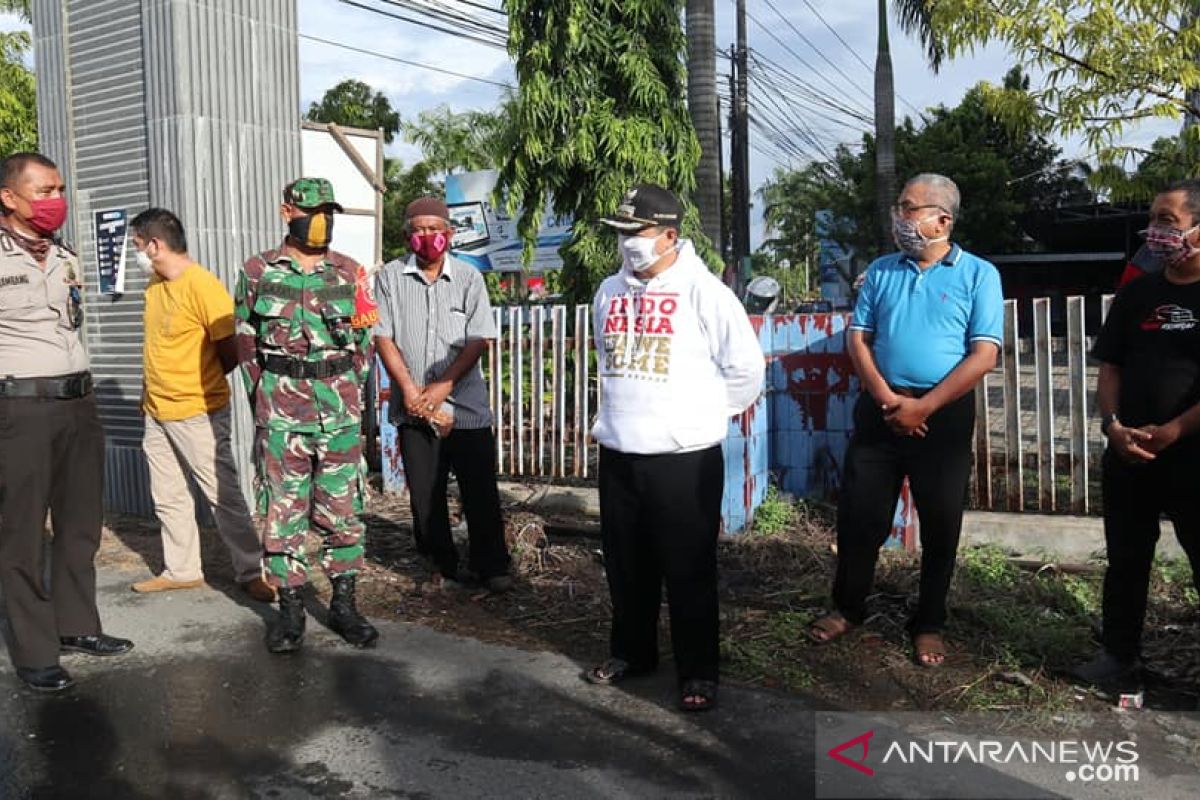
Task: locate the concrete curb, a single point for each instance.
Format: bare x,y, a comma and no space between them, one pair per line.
1049,536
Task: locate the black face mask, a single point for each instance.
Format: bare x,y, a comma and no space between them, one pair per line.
314,231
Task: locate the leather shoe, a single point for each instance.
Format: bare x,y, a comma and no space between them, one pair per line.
98,645
259,590
46,679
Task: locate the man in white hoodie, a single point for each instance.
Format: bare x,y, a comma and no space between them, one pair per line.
677,358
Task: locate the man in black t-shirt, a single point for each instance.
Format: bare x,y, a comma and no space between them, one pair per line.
1149,398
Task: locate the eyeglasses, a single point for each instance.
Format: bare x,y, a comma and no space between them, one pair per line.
904,209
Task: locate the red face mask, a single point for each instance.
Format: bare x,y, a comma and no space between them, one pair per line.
49,214
429,247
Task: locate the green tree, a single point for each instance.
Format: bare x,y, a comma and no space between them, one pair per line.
600,106
1005,174
403,186
1107,65
466,140
18,90
356,105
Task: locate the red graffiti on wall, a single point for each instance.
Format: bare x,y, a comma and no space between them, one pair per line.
812,378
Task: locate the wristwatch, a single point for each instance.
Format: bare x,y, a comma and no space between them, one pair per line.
1106,422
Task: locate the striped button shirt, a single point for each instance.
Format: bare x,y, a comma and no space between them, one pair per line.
431,323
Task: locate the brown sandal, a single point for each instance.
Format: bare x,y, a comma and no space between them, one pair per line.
828,628
929,650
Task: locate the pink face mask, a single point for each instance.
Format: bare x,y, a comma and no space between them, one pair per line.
49,214
429,247
1169,244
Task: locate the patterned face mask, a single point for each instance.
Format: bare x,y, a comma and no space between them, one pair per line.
1169,244
908,237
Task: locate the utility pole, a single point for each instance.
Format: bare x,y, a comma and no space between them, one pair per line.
741,153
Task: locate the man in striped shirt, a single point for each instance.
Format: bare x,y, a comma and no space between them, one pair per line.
434,324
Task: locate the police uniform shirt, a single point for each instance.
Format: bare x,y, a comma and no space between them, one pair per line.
39,335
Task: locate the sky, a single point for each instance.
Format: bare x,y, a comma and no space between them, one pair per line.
775,31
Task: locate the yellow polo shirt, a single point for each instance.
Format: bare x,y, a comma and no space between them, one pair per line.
184,319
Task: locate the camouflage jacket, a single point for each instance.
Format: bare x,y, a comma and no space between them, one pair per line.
282,311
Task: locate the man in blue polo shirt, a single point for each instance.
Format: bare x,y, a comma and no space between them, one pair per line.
927,326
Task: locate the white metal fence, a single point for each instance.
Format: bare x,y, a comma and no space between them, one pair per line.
1037,440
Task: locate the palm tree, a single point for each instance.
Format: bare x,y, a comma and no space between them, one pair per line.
702,105
915,16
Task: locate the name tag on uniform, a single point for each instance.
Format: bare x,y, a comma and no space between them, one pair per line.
13,280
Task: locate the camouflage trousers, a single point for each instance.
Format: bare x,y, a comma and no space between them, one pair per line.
303,480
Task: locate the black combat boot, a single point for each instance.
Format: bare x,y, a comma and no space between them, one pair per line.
344,619
287,634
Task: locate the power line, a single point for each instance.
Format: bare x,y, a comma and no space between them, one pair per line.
854,52
794,54
818,50
399,60
805,94
500,44
444,13
828,113
798,126
809,92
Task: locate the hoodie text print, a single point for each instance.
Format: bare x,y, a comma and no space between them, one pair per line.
677,358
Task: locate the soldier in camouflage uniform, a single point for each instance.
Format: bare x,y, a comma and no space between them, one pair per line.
304,324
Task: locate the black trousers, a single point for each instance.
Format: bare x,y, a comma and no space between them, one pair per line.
660,516
938,469
1135,497
471,453
51,458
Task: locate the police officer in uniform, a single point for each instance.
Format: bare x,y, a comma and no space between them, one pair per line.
304,344
51,442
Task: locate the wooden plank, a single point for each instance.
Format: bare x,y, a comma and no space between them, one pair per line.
1044,403
1014,463
537,371
516,376
1078,399
983,447
582,342
496,388
558,378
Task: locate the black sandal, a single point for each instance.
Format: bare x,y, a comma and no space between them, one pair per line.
612,672
706,691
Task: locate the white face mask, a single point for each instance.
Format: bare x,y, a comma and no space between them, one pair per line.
144,263
639,252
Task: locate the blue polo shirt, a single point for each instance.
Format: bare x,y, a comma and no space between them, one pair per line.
925,321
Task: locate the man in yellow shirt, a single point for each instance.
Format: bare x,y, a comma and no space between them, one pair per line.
189,347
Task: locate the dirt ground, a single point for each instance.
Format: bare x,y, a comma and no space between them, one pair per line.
1014,631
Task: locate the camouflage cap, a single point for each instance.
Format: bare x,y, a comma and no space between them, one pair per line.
311,193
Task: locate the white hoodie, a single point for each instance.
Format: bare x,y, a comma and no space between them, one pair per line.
677,358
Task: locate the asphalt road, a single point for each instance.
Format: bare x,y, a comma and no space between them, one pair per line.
200,710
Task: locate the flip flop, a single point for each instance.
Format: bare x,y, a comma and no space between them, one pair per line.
612,672
828,628
698,695
926,646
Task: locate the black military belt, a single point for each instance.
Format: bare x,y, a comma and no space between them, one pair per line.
63,387
295,368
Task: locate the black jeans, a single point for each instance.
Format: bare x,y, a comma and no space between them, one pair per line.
1135,497
51,458
660,516
471,453
938,469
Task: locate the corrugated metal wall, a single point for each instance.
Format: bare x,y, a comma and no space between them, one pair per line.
192,105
